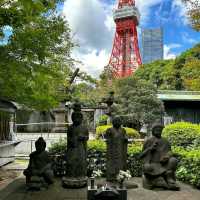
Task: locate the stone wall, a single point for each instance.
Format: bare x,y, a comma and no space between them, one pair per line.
7,149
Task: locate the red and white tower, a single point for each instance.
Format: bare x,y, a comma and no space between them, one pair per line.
125,57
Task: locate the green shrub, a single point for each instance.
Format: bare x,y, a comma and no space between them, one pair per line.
58,147
131,122
189,166
188,169
98,145
182,133
97,156
102,120
101,130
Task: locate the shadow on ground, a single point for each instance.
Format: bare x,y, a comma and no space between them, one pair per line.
16,190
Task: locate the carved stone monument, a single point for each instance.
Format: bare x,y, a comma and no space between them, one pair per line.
76,155
159,164
117,141
59,114
39,170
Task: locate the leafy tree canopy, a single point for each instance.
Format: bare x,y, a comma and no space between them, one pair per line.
138,98
178,74
193,7
35,61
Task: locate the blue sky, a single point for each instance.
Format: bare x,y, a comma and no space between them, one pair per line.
171,16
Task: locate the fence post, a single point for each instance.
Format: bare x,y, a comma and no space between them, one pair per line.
31,146
41,129
48,127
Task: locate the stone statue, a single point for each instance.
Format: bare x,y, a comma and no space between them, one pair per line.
76,155
117,141
159,164
109,101
39,166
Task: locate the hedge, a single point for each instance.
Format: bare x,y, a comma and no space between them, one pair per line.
102,120
97,156
189,166
189,160
101,130
182,133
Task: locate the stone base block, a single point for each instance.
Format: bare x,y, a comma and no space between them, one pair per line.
69,182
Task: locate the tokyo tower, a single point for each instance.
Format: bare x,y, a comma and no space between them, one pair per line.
125,57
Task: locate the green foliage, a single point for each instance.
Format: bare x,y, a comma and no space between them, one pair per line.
97,156
98,145
101,130
191,74
179,74
188,169
138,99
84,93
134,163
193,8
130,121
58,147
182,133
189,166
35,62
160,73
102,120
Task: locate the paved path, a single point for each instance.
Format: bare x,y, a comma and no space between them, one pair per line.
16,190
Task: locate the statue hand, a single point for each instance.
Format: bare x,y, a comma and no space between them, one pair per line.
164,159
154,146
82,138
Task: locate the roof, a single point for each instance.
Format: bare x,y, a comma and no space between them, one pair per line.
175,95
7,106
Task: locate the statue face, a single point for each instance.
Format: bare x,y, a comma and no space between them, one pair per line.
40,145
157,131
77,118
117,122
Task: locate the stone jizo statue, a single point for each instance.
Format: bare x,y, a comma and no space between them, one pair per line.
76,155
159,164
39,165
117,141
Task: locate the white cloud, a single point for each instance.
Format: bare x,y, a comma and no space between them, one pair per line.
144,7
168,54
179,11
86,19
93,29
92,62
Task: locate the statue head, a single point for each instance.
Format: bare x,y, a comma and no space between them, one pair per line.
157,130
77,106
40,144
117,122
77,118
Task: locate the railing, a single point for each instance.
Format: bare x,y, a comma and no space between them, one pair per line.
48,126
27,138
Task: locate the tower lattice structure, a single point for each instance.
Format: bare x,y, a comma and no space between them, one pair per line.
125,57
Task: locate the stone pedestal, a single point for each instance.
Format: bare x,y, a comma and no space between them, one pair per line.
60,126
70,182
